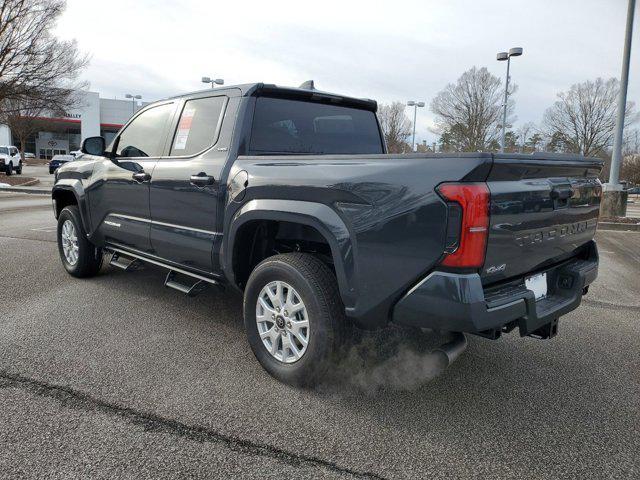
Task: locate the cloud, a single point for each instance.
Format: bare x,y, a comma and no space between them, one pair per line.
114,80
390,51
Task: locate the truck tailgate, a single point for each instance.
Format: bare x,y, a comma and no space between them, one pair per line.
544,208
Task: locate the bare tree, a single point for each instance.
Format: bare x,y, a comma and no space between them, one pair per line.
396,127
35,66
524,133
631,142
24,118
584,117
468,112
630,171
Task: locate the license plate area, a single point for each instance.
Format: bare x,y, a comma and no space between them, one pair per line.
537,284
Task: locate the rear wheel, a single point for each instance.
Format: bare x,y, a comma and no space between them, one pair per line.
79,256
294,317
19,169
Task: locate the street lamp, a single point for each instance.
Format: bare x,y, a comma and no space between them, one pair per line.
213,82
614,200
513,52
133,100
415,105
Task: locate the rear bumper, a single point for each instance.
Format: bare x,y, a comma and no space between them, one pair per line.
460,303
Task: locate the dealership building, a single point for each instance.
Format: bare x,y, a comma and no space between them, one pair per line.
95,116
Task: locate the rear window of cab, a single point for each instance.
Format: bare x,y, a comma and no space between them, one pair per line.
282,126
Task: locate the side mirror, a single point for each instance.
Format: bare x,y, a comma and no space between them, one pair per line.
93,146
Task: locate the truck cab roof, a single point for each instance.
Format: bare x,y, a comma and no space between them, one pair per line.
272,90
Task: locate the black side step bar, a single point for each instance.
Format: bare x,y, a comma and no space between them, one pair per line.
127,264
191,290
131,261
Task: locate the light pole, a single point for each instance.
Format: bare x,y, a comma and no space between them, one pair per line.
614,202
133,101
212,81
415,105
513,52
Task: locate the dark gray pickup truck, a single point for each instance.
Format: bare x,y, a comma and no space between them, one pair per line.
288,195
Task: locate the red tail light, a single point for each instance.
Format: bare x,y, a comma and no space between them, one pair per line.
473,199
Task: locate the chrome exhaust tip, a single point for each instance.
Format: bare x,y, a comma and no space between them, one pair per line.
450,351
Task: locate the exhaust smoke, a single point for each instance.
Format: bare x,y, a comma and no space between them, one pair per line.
398,359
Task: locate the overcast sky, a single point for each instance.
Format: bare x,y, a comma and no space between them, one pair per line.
390,51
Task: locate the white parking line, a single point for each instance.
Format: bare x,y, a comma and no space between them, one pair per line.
44,229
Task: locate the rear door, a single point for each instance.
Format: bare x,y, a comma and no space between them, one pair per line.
185,188
119,196
543,209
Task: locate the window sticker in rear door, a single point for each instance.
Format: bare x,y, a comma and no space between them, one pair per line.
184,126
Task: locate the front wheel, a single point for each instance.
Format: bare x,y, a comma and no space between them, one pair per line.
294,317
79,256
8,169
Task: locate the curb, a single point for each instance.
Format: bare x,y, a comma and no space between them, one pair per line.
22,189
28,183
628,227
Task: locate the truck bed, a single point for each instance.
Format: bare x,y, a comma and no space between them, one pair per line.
395,222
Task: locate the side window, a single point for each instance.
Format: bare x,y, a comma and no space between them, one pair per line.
144,136
197,126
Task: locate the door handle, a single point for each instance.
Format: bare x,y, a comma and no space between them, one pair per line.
202,179
141,177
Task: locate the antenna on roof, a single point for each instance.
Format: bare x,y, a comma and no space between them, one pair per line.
308,85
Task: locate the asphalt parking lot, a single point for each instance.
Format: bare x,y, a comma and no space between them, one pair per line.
116,376
41,172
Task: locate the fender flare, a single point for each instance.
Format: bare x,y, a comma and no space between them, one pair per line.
75,187
317,215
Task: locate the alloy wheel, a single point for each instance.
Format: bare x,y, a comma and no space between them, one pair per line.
69,242
283,322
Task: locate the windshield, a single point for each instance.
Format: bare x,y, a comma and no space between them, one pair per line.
4,150
293,126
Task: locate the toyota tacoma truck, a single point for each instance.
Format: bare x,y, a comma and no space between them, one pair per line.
289,196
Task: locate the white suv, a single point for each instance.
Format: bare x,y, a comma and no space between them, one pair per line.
10,160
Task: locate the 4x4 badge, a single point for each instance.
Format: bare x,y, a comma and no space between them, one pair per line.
496,268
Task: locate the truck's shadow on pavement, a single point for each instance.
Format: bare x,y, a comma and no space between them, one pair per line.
386,360
393,357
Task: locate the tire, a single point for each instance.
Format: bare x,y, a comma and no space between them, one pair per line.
328,331
19,169
88,257
51,170
8,169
